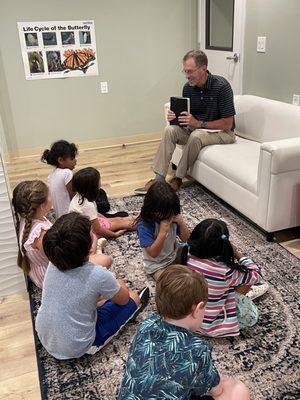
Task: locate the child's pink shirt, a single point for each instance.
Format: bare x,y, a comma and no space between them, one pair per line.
37,259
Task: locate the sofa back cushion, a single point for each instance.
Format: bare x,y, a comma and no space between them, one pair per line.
265,120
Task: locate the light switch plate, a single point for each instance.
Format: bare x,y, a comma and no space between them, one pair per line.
103,87
296,99
261,44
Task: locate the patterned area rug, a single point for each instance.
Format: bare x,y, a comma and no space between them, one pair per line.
265,357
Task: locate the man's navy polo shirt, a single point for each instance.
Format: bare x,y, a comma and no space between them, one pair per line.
212,102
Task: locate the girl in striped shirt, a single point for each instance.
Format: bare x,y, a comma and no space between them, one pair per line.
229,276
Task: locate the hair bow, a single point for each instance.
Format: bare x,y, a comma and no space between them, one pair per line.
183,244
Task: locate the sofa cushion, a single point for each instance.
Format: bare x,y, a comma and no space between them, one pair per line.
265,120
238,161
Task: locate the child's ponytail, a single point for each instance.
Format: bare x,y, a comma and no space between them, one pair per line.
18,204
46,157
23,261
184,253
227,255
227,251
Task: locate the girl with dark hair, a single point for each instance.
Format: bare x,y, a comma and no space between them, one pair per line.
62,155
86,183
229,276
159,224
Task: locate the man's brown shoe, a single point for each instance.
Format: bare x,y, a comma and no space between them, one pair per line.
144,190
176,183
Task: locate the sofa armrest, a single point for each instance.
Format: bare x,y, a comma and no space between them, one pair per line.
285,154
166,108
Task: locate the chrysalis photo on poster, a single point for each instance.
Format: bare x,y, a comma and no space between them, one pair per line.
31,39
67,38
53,61
84,37
49,39
36,63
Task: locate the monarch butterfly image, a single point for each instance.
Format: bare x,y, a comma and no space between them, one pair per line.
78,59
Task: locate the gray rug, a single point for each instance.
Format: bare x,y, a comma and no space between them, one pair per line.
265,357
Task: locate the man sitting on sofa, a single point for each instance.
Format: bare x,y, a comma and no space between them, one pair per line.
211,107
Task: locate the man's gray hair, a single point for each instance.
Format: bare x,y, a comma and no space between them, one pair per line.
198,56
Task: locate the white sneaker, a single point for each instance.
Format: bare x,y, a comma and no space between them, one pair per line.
258,290
101,243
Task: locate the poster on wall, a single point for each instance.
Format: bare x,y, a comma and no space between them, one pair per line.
58,49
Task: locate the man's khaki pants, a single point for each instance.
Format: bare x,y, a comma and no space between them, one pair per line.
193,141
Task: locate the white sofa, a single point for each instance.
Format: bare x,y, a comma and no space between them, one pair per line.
258,175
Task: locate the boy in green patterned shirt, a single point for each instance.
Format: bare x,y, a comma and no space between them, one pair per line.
166,360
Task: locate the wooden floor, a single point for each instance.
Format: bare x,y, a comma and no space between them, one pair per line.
122,168
18,372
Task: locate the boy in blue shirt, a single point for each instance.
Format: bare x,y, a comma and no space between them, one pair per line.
70,321
166,361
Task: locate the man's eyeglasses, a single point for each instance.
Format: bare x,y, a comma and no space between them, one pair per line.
189,71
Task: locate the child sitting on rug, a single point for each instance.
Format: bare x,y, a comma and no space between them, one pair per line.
166,359
229,276
160,222
69,323
86,183
31,202
62,155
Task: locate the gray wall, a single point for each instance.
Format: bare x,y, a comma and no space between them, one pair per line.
3,147
140,45
274,74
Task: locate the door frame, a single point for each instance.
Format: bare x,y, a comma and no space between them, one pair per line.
240,17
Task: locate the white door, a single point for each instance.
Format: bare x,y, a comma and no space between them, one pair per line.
221,37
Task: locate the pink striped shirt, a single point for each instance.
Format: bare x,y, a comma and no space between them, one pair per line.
37,259
220,318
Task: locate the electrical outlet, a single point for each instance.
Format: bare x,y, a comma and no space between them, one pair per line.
261,44
103,87
296,99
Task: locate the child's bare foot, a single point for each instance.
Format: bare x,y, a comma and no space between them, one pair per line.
101,243
132,222
120,232
101,259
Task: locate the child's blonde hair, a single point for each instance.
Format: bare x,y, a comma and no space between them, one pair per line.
177,289
27,198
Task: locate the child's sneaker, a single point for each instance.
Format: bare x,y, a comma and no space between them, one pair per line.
100,245
116,214
144,296
258,290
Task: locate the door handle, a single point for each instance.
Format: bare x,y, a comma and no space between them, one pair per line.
235,58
